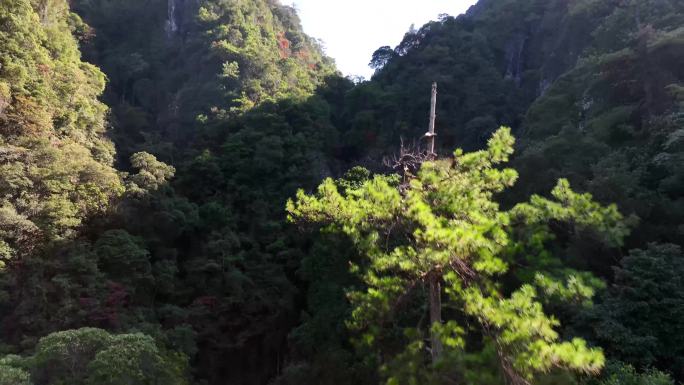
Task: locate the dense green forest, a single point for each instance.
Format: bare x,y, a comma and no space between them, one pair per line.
192,194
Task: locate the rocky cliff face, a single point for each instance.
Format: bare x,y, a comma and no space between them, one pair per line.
174,22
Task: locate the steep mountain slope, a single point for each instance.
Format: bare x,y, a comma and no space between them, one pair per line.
175,66
223,90
613,124
56,163
245,108
207,270
493,62
593,90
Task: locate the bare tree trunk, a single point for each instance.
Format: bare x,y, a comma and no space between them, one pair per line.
435,315
431,128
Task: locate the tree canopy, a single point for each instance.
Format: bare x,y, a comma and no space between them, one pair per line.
443,226
148,149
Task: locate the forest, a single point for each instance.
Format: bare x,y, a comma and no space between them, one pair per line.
191,193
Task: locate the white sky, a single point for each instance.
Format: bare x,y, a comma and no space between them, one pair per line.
353,29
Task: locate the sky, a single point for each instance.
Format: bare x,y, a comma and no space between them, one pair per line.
352,30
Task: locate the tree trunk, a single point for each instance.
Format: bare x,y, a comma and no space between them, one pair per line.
435,314
431,128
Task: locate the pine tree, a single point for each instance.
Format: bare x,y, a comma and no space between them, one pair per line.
443,227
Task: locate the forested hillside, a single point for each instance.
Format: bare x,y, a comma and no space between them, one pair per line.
160,221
